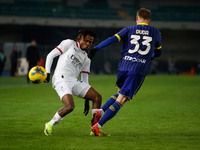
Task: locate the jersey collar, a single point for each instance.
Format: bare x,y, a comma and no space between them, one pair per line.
142,24
77,44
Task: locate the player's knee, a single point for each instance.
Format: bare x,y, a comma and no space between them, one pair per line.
98,98
69,108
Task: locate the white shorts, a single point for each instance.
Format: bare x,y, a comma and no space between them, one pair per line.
76,87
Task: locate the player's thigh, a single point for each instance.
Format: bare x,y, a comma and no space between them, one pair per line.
68,100
121,78
93,95
131,85
63,88
80,89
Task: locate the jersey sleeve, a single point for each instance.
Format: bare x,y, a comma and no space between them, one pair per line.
122,33
107,42
113,39
84,77
158,44
86,67
64,45
49,60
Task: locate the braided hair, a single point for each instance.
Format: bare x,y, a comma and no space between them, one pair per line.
84,33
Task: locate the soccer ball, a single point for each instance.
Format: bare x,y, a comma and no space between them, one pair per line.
37,74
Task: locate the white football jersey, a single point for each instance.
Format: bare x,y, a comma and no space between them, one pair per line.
71,62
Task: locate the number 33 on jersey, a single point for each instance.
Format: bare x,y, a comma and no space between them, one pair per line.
139,44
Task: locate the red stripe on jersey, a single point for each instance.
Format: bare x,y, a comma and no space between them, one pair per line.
59,50
85,72
77,44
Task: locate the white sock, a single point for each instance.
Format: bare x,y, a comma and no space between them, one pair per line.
102,112
98,125
94,110
56,118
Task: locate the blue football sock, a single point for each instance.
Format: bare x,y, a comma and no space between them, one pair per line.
110,113
109,102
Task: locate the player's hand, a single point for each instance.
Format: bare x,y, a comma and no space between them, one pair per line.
92,53
87,107
48,78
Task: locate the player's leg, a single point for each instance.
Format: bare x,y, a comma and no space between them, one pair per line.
113,109
101,111
98,113
84,90
68,107
121,77
64,90
114,104
130,87
68,102
96,98
109,102
110,113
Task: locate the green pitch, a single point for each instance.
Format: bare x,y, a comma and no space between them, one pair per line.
164,115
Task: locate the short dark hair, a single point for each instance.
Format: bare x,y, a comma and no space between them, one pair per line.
85,32
144,13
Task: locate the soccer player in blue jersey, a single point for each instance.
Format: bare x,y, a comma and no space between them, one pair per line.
140,44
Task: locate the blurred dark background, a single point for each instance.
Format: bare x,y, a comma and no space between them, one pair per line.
51,21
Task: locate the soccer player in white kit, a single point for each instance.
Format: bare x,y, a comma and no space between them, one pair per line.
73,60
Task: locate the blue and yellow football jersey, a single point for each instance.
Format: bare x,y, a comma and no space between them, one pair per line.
139,43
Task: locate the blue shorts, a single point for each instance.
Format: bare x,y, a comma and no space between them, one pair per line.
129,83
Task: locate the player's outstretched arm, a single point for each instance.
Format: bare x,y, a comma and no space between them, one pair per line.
107,42
103,44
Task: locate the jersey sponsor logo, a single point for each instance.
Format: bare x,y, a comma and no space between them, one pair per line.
76,62
134,59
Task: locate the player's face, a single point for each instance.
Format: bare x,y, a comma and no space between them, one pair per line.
86,42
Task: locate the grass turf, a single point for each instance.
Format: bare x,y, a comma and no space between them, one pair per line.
163,115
